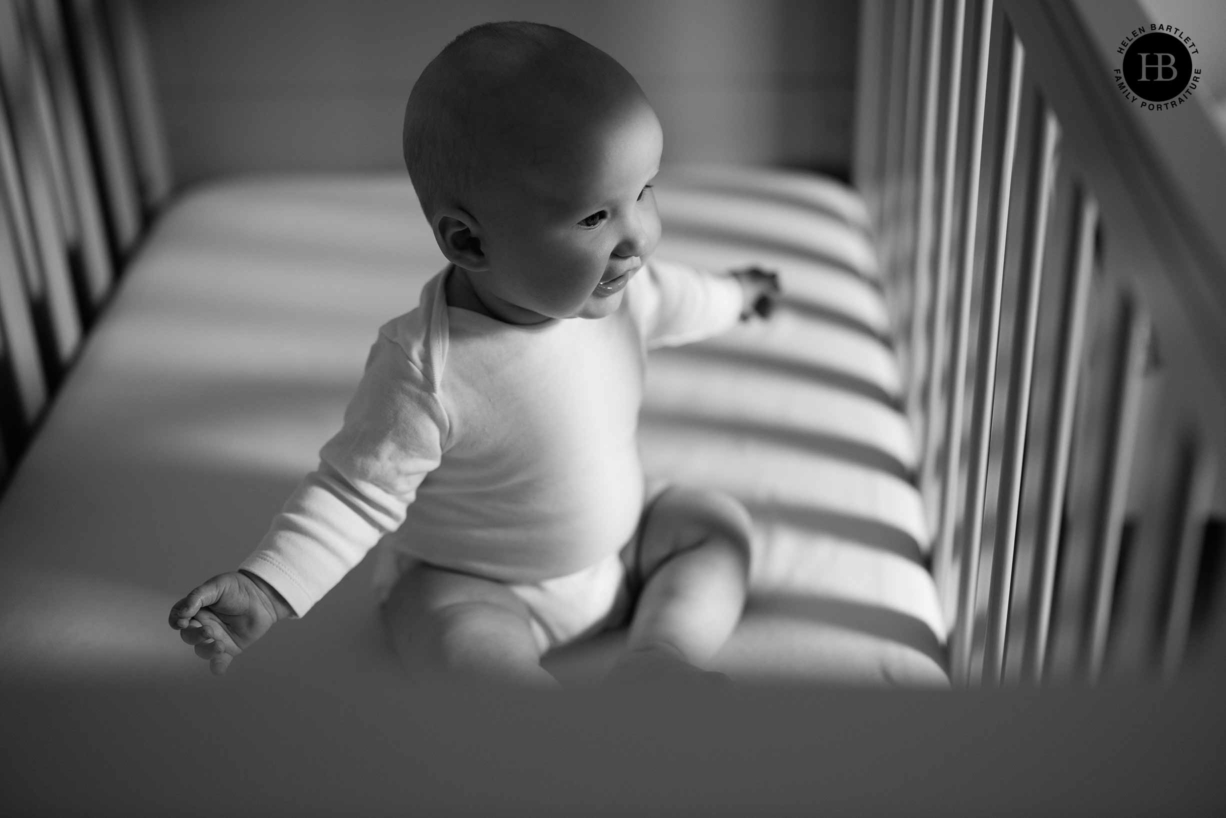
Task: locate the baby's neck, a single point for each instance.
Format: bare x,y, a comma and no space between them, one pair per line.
459,292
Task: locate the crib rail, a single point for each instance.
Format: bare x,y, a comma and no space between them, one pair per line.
1056,283
83,168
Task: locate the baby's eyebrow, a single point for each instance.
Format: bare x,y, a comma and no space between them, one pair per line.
565,205
650,179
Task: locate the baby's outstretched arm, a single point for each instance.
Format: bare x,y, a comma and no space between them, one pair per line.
761,288
223,616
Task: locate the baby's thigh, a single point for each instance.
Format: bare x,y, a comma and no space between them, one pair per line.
429,608
682,518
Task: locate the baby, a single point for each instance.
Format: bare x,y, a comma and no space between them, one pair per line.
491,445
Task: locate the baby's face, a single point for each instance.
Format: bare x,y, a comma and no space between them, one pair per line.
564,234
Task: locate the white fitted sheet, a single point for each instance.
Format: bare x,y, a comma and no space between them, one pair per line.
239,332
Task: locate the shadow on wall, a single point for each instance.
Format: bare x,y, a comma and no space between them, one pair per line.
320,86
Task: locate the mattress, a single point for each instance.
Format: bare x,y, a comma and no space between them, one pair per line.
240,330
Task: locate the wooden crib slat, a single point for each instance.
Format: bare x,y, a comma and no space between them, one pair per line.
1189,536
1123,406
891,189
107,122
17,344
882,136
943,552
894,187
1010,80
1157,499
901,250
134,73
894,106
64,320
1021,374
20,345
898,184
90,242
14,199
1059,441
48,187
1208,625
872,69
40,91
941,274
32,199
921,265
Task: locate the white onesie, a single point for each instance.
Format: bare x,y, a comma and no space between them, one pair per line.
495,449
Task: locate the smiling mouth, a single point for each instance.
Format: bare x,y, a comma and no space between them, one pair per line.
608,287
629,271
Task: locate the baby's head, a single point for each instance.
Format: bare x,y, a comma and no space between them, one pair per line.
532,153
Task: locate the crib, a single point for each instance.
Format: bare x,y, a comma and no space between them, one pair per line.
979,440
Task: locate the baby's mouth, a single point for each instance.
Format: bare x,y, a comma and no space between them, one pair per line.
609,286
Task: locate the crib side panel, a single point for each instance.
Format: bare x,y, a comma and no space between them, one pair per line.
83,172
1069,358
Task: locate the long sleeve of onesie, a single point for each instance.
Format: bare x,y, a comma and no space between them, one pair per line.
679,304
393,435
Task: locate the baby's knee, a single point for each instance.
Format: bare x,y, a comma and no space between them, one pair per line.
459,635
447,635
684,519
716,513
734,531
460,624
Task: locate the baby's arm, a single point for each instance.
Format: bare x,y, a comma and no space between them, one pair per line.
368,475
676,304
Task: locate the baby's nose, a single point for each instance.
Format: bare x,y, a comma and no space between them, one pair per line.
636,241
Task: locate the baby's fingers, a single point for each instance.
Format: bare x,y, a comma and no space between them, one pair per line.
200,597
215,652
220,663
214,643
209,648
769,278
194,633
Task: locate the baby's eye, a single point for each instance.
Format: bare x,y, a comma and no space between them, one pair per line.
644,192
593,220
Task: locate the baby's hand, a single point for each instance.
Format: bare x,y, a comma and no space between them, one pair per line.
225,615
761,289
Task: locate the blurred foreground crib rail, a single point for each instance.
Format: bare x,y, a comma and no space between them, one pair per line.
982,434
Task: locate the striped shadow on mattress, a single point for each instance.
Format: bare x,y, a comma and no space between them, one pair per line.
240,331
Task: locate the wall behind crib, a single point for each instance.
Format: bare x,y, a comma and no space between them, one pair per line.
285,85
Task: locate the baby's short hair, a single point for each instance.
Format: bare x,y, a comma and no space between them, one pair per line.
445,117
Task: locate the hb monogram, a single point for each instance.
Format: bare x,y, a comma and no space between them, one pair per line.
1164,62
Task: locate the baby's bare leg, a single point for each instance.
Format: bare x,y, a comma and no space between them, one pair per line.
442,621
695,552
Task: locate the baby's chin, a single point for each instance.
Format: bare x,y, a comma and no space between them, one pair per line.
597,306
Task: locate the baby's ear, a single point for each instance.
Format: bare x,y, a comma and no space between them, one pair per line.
459,237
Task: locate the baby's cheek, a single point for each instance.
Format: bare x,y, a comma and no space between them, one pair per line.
651,225
563,295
